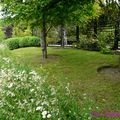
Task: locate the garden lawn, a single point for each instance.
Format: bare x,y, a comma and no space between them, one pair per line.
79,68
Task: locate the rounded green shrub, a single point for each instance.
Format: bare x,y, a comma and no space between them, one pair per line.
20,42
13,43
33,41
23,42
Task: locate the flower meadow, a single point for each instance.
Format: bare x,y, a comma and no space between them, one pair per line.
25,95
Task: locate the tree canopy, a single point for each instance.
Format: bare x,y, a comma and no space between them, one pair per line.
52,12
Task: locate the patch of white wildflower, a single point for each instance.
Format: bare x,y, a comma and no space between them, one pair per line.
24,90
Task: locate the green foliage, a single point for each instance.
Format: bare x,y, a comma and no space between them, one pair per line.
106,39
18,32
2,36
106,42
97,10
52,36
106,51
51,40
89,44
103,42
27,31
19,42
32,11
29,41
75,45
12,43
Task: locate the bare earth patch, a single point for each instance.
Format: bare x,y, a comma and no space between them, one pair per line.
110,71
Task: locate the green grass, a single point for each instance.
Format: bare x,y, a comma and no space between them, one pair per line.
79,68
25,95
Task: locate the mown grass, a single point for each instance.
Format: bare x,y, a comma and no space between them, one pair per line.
79,68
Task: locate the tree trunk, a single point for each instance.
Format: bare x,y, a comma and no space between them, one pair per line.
116,33
116,39
77,34
95,28
62,35
65,36
44,45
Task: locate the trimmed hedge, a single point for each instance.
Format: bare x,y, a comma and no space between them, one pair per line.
20,42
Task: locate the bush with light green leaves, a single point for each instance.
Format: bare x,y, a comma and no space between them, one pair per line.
20,42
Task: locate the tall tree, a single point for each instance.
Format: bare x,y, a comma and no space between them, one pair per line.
81,16
111,9
41,11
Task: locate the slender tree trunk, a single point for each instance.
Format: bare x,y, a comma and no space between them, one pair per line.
117,32
116,39
44,45
65,36
62,35
95,28
77,34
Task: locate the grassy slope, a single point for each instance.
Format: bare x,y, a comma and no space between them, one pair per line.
79,68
